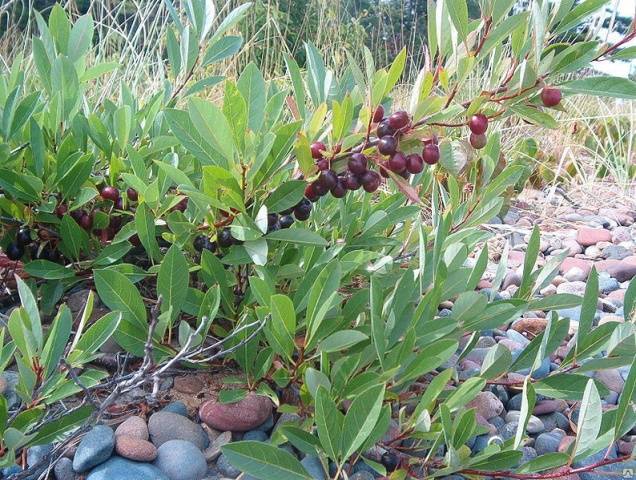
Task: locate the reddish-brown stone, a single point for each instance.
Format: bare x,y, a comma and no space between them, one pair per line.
240,416
587,236
135,448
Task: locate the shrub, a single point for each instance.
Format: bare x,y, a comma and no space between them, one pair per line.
260,223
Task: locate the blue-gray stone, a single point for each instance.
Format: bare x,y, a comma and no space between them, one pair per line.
615,252
364,475
12,378
314,467
63,469
96,447
515,402
12,470
118,468
181,460
528,453
37,453
606,472
361,466
226,468
267,425
548,442
508,430
517,337
176,407
481,442
256,435
445,312
554,420
500,392
573,313
164,426
607,285
497,422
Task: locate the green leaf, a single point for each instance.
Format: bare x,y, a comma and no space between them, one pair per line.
578,13
297,235
232,396
588,309
264,461
81,37
119,293
223,48
527,406
566,386
546,461
589,419
252,86
56,343
172,280
535,116
286,196
30,305
93,338
458,11
626,403
341,340
301,439
145,225
360,419
616,87
211,124
56,430
329,422
281,329
74,238
48,270
378,335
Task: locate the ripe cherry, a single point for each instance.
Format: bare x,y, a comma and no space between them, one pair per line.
322,164
478,141
414,163
316,150
224,238
378,115
319,189
77,214
387,145
390,461
61,210
340,190
328,179
182,205
398,120
132,194
310,193
357,163
86,221
550,96
351,181
286,221
199,242
302,210
397,162
14,251
385,169
23,237
478,123
370,181
110,193
384,129
430,154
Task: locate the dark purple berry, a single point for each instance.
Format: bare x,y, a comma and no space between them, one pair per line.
24,237
322,164
397,162
132,194
340,190
550,96
302,211
387,145
370,181
14,251
286,221
110,193
430,154
351,181
414,163
328,179
398,120
384,129
357,163
316,150
478,123
224,238
478,141
199,242
378,115
310,193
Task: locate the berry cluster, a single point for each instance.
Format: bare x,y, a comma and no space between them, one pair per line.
15,250
358,173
